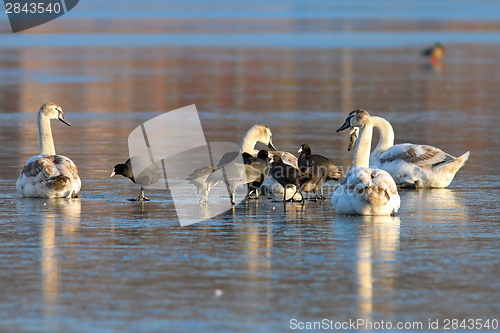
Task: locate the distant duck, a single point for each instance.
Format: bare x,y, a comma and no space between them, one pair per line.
412,165
435,52
365,190
328,168
308,181
49,175
149,173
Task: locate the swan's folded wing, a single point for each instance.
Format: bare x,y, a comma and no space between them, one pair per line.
66,167
384,180
42,167
357,178
420,155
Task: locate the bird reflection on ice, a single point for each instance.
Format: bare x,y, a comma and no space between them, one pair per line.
440,205
54,213
376,242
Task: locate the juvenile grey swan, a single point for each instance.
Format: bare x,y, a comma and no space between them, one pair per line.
49,175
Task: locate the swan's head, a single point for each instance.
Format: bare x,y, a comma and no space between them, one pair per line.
262,134
304,148
355,118
53,111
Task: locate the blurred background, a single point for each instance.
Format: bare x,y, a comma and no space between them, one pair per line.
102,264
283,63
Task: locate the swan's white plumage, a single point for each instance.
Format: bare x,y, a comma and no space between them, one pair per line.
365,190
49,175
411,164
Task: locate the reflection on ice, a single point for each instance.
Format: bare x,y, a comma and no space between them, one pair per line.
53,212
376,243
435,205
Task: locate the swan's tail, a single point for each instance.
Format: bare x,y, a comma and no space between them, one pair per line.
57,183
444,173
452,166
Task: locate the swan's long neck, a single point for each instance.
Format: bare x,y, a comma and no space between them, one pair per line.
363,144
249,141
45,135
386,133
247,145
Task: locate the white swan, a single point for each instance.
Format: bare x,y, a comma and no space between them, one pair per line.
365,190
49,175
412,165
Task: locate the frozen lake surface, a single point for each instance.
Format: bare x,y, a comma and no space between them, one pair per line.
102,264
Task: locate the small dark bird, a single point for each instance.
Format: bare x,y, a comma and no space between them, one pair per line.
261,163
287,175
326,166
149,173
435,52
